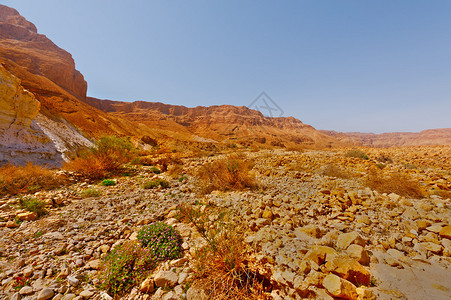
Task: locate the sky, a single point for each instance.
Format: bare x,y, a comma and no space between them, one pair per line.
368,66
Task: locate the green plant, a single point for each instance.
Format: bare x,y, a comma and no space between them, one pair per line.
155,170
357,154
381,166
410,166
33,205
182,178
37,234
108,182
155,183
20,282
124,267
163,241
91,192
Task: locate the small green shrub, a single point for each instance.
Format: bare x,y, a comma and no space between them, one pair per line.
357,154
124,267
155,183
108,182
163,241
410,166
91,192
155,170
33,205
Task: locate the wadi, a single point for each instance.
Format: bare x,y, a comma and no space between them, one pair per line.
103,199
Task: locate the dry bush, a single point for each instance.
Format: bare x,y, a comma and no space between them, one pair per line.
397,183
332,170
221,267
107,157
28,179
231,173
443,194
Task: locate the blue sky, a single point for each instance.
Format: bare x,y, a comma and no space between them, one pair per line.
369,66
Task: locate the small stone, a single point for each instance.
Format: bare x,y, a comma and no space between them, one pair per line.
339,287
72,281
16,296
86,294
346,239
166,279
28,272
11,224
60,249
104,248
434,228
358,253
267,214
318,254
27,216
105,296
93,264
45,294
195,293
365,293
445,232
423,224
147,286
432,247
26,290
410,213
349,269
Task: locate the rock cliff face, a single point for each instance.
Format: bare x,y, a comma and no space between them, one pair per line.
441,136
224,123
21,46
25,134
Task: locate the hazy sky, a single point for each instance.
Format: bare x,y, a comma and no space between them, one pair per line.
370,66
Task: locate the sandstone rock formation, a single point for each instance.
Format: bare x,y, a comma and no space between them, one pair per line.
25,134
441,136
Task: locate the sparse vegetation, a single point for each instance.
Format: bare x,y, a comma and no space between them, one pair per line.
90,192
151,184
124,267
107,157
398,183
357,154
108,182
33,205
163,241
231,173
221,266
155,170
332,170
30,178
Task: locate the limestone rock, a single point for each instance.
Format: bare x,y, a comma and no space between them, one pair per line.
45,294
346,239
445,232
339,287
349,269
358,253
166,279
147,286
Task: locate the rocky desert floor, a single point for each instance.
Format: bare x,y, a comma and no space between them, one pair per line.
309,233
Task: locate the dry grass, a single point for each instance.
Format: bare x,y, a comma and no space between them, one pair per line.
221,267
443,194
28,179
106,158
398,183
231,173
332,170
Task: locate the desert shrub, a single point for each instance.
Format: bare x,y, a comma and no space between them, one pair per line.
231,173
357,154
163,241
332,170
27,179
91,192
108,182
108,156
442,193
33,205
381,166
124,267
151,184
397,183
384,158
155,170
409,166
222,266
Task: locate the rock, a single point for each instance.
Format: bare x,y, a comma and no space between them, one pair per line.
28,272
170,296
11,224
358,253
410,213
93,264
147,286
267,214
346,239
445,232
349,269
105,296
69,296
26,290
311,230
86,294
432,247
195,293
166,279
434,228
72,280
365,293
423,224
339,287
318,254
60,249
394,197
45,294
16,296
104,248
27,216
